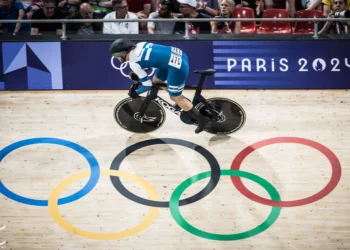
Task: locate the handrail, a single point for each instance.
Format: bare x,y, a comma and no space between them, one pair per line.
185,20
174,20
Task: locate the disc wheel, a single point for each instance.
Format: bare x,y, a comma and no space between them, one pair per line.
231,117
126,114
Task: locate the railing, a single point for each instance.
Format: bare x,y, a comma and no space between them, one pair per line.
185,20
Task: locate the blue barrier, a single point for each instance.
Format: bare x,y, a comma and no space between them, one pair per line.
87,65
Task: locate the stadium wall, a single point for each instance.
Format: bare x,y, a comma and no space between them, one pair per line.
240,64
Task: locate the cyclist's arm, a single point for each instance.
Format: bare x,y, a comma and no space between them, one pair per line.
143,76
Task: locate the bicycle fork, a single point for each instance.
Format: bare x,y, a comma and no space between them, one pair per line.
152,94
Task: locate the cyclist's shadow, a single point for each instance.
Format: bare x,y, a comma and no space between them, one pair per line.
219,139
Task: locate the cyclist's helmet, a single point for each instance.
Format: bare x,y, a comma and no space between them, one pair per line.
121,47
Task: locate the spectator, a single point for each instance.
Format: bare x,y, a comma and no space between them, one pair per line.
328,6
10,10
165,10
188,9
121,11
281,4
209,7
154,5
69,7
48,11
29,7
142,9
337,27
176,8
312,4
85,12
226,8
101,8
257,5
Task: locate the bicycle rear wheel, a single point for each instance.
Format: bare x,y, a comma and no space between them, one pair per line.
231,119
126,114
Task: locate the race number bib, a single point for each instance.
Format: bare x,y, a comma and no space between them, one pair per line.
176,51
175,58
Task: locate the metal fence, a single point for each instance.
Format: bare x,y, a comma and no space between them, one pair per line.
185,20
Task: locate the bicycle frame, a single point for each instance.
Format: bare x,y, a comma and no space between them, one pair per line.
198,98
153,95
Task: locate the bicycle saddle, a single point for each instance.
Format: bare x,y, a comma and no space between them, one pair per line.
207,72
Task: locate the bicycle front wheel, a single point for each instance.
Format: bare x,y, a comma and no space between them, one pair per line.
127,115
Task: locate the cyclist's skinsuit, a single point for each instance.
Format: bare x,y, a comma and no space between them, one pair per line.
171,64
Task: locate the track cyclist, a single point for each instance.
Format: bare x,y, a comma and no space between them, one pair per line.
171,66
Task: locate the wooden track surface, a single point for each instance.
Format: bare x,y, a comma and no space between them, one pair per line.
86,118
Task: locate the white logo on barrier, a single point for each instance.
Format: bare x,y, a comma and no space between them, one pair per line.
123,66
282,65
319,64
259,64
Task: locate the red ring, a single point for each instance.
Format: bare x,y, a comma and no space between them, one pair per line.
336,171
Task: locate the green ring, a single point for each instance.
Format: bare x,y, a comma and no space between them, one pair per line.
175,211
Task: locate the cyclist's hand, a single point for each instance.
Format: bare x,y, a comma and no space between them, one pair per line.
132,93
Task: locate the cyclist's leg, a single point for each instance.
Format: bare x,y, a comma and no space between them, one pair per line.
176,83
160,76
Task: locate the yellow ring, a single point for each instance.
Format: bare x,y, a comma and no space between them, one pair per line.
55,214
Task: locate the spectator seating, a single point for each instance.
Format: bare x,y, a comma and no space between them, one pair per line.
244,12
306,27
275,27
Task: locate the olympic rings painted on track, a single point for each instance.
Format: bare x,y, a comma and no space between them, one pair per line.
214,165
214,174
95,170
175,209
123,66
55,214
336,171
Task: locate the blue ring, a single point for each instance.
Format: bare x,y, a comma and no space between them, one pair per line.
94,166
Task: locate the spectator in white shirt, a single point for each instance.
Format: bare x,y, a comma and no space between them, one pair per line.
121,11
30,7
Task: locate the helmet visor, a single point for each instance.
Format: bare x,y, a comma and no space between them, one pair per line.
119,54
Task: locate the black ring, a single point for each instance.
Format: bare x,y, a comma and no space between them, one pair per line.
214,165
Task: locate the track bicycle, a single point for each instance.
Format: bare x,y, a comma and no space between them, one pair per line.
147,114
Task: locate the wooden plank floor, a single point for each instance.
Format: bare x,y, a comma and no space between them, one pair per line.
85,118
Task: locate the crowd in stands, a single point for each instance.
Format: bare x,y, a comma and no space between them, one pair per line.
153,9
